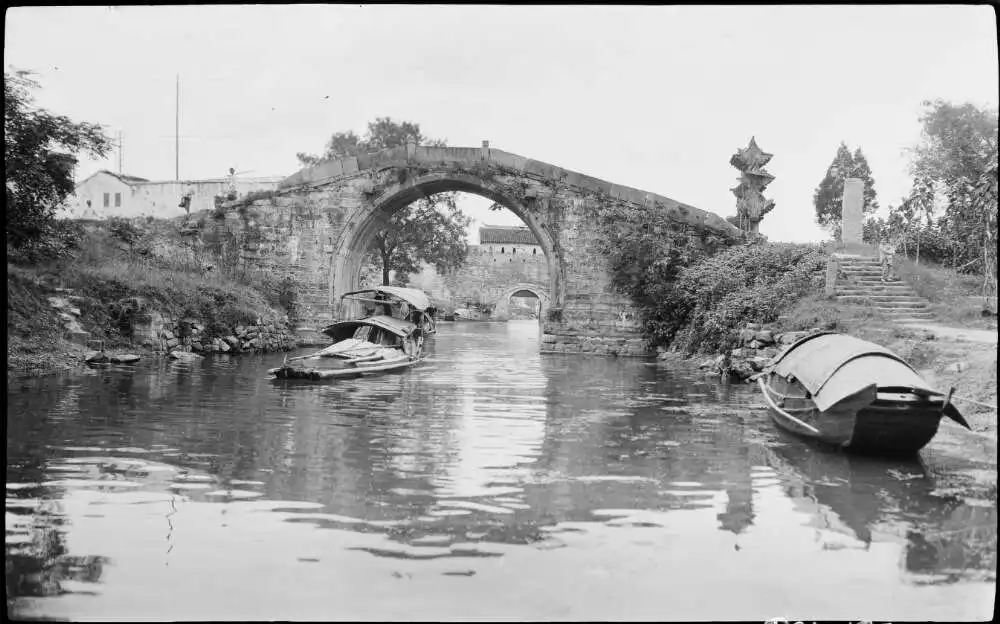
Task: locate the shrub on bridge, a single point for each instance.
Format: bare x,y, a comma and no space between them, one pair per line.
711,299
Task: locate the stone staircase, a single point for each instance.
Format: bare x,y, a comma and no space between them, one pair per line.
859,282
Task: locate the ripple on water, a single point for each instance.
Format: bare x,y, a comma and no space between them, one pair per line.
562,480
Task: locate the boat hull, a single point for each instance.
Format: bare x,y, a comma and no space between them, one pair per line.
871,427
318,373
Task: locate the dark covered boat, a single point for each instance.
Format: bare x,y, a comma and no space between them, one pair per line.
853,394
389,337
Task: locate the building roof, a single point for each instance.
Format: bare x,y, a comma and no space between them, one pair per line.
127,179
506,234
134,180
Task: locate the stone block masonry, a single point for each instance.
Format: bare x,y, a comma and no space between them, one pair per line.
162,334
317,227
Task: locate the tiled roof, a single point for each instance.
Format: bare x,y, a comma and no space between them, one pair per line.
505,235
127,179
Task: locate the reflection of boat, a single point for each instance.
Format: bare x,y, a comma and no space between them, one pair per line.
853,394
842,491
890,500
390,337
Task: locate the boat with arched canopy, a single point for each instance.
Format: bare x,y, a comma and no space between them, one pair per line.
388,337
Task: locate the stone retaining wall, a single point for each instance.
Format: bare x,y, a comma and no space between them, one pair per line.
190,335
758,346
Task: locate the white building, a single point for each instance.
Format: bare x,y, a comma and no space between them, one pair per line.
107,194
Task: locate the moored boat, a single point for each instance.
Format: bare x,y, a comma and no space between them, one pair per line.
855,395
389,337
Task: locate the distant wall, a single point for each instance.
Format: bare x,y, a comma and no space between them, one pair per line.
486,274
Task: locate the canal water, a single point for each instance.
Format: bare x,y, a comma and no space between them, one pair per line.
489,482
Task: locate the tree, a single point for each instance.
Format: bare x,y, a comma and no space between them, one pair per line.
429,230
954,167
829,195
40,151
383,133
426,230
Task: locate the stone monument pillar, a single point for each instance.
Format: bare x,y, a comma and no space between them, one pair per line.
852,211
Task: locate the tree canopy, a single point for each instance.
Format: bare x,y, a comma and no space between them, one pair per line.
950,214
383,133
828,197
431,230
40,154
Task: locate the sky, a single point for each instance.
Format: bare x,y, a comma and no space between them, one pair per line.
653,97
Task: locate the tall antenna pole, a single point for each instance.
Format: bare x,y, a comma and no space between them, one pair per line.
177,132
120,157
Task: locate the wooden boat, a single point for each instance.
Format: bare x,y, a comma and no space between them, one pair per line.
853,394
390,337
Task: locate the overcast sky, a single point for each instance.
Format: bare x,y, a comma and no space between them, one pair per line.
656,98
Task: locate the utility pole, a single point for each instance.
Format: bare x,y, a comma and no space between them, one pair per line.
177,132
121,154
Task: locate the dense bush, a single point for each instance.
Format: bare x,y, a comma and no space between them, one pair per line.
694,290
933,245
54,240
710,299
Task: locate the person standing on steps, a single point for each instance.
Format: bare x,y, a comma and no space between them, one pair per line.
886,252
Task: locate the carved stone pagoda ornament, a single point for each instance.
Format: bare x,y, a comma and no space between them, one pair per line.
750,203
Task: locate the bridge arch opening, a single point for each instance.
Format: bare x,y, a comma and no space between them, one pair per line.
359,233
508,307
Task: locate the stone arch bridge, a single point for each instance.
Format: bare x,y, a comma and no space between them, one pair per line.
501,309
317,226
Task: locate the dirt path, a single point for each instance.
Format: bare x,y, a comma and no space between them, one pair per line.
985,336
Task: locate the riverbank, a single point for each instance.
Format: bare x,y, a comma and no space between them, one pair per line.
149,289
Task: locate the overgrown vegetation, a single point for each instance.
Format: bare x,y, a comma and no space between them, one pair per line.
712,298
695,293
40,153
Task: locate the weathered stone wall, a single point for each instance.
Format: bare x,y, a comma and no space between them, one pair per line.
317,227
164,334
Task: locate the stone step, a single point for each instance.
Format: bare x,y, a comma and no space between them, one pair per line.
879,292
894,292
858,292
844,255
886,302
879,283
903,312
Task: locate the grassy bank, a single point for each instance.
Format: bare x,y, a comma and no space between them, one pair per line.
119,274
955,298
